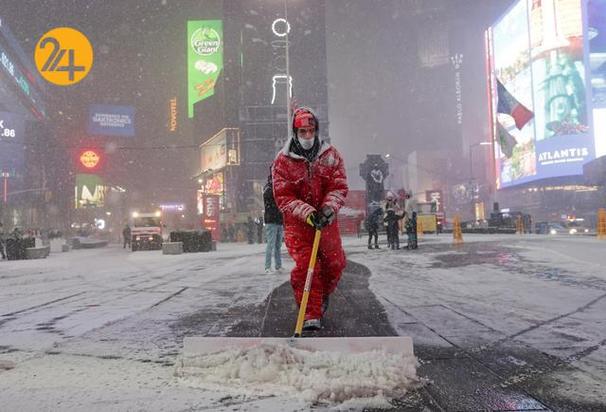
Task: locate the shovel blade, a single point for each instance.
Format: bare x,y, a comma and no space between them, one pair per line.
196,346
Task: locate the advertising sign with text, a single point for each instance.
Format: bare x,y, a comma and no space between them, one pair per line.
12,150
435,196
110,120
538,59
210,215
204,60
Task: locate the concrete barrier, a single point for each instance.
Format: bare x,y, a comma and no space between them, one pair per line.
56,245
37,252
172,248
87,243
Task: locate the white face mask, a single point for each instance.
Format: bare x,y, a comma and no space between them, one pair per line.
306,144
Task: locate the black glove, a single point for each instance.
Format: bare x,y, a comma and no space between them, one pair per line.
328,214
316,220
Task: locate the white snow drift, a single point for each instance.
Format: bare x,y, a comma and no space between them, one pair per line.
312,376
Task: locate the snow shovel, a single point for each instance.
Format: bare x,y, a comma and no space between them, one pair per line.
306,289
201,345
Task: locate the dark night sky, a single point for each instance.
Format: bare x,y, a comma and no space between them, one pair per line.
380,97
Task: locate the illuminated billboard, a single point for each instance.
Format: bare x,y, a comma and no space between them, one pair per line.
540,94
89,191
12,149
111,120
596,35
220,150
88,160
204,60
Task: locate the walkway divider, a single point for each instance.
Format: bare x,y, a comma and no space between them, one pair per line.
601,232
519,226
457,235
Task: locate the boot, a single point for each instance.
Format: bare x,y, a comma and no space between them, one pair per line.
370,247
312,324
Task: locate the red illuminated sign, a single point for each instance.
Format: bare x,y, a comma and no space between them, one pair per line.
89,159
210,215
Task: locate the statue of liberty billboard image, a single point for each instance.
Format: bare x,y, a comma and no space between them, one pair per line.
558,69
563,92
596,35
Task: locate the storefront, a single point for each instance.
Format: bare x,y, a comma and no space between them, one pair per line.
217,180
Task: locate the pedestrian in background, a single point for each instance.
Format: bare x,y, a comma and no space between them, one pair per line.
411,231
373,227
250,230
259,227
274,229
393,237
126,234
2,245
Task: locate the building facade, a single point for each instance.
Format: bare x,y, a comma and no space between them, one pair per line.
274,58
29,181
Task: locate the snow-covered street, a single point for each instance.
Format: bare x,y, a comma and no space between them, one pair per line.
101,329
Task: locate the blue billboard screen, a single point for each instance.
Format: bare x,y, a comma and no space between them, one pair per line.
596,35
538,51
12,152
111,120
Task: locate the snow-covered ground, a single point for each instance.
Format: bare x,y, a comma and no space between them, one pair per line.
91,329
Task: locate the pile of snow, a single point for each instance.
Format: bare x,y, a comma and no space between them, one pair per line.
368,378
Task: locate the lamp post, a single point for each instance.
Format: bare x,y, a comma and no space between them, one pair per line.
471,185
471,146
5,176
288,82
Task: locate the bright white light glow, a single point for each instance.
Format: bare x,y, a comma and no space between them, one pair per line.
274,27
280,78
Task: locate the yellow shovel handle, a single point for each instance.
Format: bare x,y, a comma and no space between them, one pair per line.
308,279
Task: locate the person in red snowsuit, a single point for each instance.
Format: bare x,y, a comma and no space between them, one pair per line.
310,187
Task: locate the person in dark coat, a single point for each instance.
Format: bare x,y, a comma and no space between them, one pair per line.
2,241
373,227
126,234
250,230
231,233
274,229
393,238
411,231
259,227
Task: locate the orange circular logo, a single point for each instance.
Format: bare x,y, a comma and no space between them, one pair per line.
63,56
89,159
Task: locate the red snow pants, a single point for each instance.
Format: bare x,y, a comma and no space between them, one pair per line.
330,263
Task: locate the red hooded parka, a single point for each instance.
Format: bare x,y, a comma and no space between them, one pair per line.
301,187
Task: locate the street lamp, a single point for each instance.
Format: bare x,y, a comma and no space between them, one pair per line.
471,185
287,71
471,146
5,176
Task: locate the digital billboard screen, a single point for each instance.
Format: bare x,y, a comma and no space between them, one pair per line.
111,120
537,57
204,60
12,149
596,35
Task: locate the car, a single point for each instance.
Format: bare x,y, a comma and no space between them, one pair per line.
551,228
577,226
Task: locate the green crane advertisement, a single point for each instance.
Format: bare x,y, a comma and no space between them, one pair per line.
204,60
